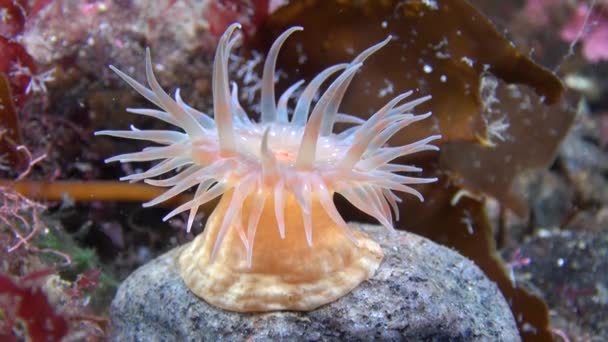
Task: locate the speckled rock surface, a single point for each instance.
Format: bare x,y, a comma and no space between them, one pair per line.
568,270
422,291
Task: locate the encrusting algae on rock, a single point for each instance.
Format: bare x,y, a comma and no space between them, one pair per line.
276,241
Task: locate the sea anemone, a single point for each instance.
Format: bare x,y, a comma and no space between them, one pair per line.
276,240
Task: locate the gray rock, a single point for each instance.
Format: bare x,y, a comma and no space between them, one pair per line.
421,291
568,270
549,196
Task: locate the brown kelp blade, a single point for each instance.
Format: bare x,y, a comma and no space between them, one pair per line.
449,50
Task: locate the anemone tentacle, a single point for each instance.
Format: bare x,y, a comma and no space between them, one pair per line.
280,157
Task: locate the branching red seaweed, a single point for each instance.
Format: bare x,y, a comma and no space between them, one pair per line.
19,214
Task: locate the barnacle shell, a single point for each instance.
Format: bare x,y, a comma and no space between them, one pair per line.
285,273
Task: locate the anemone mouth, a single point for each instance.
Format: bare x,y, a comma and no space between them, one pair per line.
284,143
284,154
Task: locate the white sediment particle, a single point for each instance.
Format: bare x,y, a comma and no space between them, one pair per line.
388,89
468,61
302,57
443,78
368,86
526,103
432,4
467,88
427,68
442,55
467,220
443,43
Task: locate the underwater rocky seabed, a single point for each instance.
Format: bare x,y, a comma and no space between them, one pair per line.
557,252
421,292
